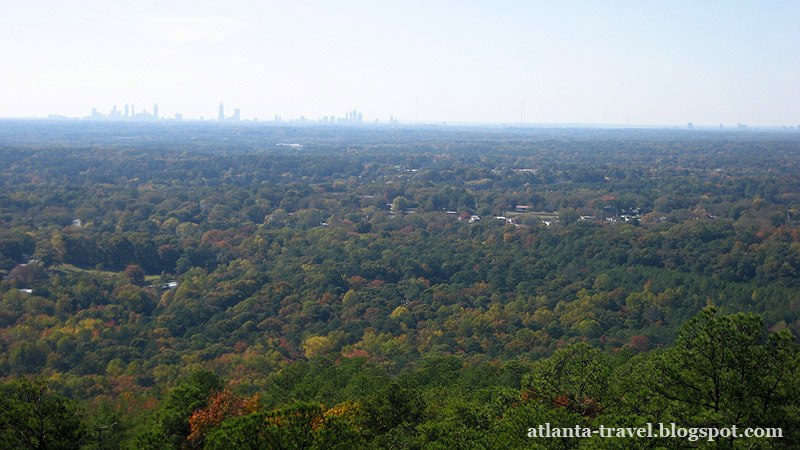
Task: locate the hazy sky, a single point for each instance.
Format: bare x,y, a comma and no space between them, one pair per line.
657,62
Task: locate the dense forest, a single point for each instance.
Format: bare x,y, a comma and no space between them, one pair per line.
190,285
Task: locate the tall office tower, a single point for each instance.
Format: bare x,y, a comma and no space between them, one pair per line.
133,110
221,113
360,118
689,125
126,110
114,112
155,111
236,114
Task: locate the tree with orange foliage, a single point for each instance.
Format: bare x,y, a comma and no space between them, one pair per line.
221,406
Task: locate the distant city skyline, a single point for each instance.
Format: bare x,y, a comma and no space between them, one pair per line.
608,62
355,117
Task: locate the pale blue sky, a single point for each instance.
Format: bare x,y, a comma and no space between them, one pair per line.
657,62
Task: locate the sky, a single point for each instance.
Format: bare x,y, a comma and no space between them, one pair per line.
591,62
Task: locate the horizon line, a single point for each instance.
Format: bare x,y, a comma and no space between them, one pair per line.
410,124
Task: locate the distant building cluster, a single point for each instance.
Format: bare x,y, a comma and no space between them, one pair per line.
353,117
127,114
234,118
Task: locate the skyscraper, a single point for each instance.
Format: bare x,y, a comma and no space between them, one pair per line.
236,114
221,113
155,111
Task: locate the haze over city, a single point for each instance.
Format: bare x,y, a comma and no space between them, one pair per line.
505,62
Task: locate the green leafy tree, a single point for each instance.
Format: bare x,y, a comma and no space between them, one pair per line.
33,417
390,416
575,378
725,370
301,426
172,427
